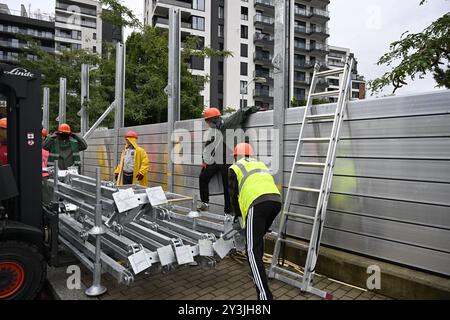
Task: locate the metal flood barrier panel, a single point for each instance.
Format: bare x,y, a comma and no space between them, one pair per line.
391,188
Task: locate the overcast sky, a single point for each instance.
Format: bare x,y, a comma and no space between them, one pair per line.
367,27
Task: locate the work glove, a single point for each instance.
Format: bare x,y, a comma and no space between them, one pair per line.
203,165
237,224
140,176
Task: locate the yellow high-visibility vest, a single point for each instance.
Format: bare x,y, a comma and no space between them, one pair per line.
254,180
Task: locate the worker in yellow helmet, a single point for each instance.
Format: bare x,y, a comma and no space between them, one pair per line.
254,197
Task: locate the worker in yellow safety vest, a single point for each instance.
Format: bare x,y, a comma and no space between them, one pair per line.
254,197
134,164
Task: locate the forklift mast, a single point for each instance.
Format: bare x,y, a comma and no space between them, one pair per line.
22,89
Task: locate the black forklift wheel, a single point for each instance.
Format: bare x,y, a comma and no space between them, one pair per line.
22,271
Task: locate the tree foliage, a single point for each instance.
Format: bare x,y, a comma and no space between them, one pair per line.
419,54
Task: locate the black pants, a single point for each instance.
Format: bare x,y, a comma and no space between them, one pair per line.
205,176
127,178
259,219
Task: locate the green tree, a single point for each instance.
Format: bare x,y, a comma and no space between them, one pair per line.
420,53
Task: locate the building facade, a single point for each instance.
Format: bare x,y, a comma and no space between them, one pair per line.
246,29
15,25
335,60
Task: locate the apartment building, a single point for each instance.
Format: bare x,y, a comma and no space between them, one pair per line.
336,59
246,28
40,27
78,25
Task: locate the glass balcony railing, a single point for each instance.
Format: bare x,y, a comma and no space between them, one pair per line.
263,37
265,2
320,13
264,19
263,56
264,93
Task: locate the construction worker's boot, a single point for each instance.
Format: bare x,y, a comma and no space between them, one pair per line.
202,206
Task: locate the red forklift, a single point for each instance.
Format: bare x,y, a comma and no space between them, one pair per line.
28,230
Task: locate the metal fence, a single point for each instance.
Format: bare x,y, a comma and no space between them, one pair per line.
391,190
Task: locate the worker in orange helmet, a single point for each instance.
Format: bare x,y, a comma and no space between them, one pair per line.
3,142
255,199
65,147
133,166
216,156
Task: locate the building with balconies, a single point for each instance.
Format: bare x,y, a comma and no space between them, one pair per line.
336,59
18,26
78,25
246,28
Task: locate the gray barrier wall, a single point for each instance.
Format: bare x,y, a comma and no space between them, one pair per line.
391,190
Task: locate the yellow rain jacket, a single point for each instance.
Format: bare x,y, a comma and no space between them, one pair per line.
141,164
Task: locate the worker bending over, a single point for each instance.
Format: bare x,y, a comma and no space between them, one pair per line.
134,164
255,197
65,147
212,161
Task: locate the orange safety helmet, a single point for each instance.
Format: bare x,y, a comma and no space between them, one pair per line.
131,134
44,132
64,128
3,123
243,149
211,113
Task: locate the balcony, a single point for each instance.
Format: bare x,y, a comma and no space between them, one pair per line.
10,44
259,18
182,4
66,7
303,81
319,15
319,48
262,38
300,64
266,74
299,46
262,93
264,59
264,3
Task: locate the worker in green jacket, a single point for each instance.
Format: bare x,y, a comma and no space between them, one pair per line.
65,147
256,198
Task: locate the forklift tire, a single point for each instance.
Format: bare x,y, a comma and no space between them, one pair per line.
22,271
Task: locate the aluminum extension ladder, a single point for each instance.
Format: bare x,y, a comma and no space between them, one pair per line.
309,119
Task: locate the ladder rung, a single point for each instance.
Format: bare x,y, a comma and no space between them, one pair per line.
279,270
331,93
311,164
299,215
332,72
320,116
305,189
316,140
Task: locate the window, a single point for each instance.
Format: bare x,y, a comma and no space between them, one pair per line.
243,103
94,36
244,50
244,32
198,5
221,12
198,23
244,87
220,31
221,46
15,43
220,86
220,104
220,68
94,49
244,13
244,71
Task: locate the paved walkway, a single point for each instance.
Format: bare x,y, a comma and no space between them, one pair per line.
228,281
